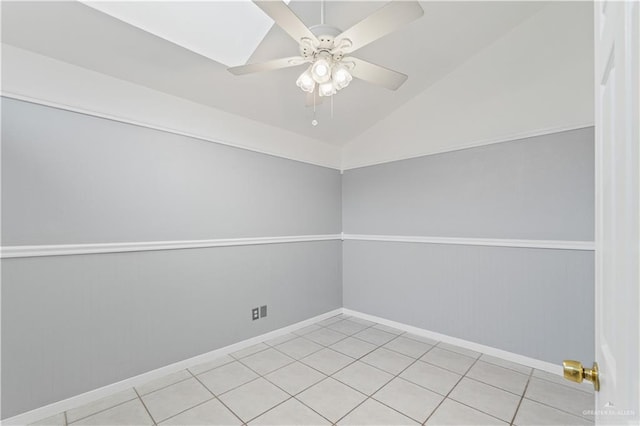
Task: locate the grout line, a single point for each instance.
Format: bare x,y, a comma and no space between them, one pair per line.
494,386
104,409
558,409
163,387
515,413
212,368
565,385
322,346
392,378
451,390
145,407
215,397
191,408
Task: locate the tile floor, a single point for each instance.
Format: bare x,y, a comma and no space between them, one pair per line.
345,371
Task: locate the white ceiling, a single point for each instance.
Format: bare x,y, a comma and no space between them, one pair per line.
193,24
428,49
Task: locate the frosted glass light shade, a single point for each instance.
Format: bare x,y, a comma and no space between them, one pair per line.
327,89
321,71
306,81
341,77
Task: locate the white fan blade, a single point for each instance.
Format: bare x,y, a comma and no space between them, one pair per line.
309,101
375,74
286,19
268,66
380,23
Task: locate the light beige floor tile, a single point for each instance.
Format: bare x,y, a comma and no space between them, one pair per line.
532,413
389,361
486,398
254,398
210,365
388,329
325,336
504,378
306,330
454,413
327,361
363,377
452,361
564,398
355,348
291,412
57,420
229,376
422,339
373,413
347,327
559,379
329,321
129,413
331,399
431,377
265,362
281,339
101,404
408,398
460,350
362,321
176,398
162,382
299,347
506,364
374,336
209,413
408,347
249,351
295,378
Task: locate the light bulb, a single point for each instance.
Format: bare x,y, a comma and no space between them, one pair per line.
306,82
341,76
327,89
321,70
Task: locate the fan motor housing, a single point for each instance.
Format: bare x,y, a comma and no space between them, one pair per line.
326,35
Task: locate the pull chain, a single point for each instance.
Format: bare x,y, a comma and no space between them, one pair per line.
332,107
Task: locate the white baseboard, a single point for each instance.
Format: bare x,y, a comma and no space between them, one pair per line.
509,356
87,397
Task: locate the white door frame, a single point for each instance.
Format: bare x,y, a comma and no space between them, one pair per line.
617,298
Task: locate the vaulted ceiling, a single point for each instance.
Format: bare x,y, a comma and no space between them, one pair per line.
193,65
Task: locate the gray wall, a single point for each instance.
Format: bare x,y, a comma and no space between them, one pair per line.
535,188
73,178
74,323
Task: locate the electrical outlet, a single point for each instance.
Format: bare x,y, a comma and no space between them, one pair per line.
255,314
263,311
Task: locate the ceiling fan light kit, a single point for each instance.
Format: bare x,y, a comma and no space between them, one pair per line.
325,47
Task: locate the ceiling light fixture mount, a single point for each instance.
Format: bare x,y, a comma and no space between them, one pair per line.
326,48
327,69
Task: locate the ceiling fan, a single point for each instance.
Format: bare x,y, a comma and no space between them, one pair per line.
327,49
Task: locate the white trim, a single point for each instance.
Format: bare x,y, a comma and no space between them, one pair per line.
43,80
87,397
488,350
8,252
492,242
508,138
131,121
76,249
